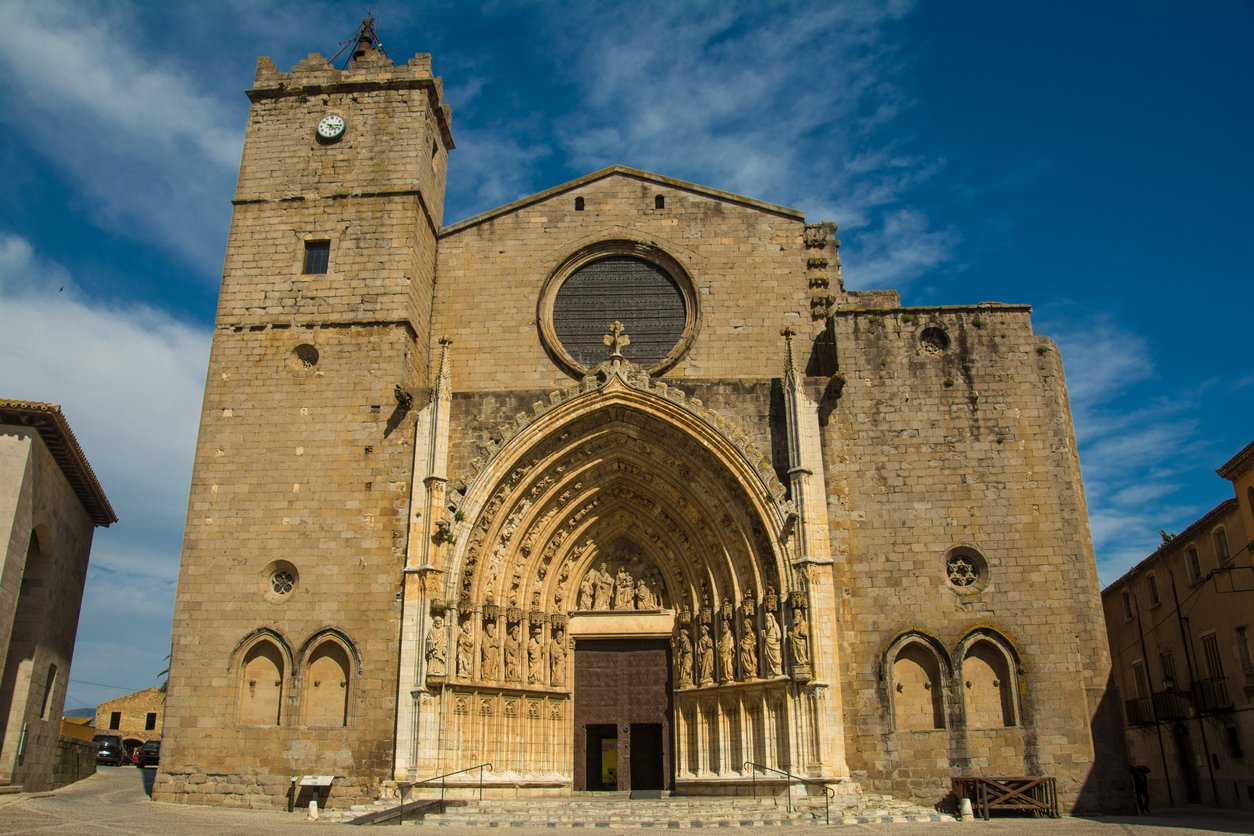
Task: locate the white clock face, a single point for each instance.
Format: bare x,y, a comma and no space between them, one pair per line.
331,126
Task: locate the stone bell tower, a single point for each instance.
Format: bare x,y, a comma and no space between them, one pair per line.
288,603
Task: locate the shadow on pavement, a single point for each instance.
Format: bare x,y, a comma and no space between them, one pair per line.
1194,819
150,775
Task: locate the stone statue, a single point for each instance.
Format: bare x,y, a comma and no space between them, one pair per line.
437,648
683,654
557,660
624,588
535,659
513,655
749,651
603,586
799,639
585,591
644,596
490,654
466,651
705,657
727,652
772,651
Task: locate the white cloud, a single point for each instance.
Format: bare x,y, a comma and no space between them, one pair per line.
1134,448
130,382
151,152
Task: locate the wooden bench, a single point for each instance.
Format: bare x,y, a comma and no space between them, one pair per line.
1031,794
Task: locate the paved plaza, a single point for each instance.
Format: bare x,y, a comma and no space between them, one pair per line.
115,801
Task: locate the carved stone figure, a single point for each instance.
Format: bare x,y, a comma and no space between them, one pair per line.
624,588
466,650
644,596
603,586
513,655
749,651
437,648
727,652
683,658
705,657
772,651
490,654
799,639
585,591
557,660
535,659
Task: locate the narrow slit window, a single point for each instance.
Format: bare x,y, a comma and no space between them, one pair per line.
579,204
317,257
659,202
150,721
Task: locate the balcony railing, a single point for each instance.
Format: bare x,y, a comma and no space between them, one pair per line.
1212,695
1139,711
1171,705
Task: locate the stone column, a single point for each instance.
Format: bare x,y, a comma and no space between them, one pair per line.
813,564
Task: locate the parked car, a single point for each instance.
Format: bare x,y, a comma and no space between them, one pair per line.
149,754
109,749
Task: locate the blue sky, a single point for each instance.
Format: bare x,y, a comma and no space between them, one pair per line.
1089,158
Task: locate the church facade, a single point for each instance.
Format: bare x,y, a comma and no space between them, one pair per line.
615,487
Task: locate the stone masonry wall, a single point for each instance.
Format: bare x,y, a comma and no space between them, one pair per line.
748,267
309,467
928,448
44,593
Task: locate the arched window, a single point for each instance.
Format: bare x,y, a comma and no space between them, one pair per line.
261,685
579,204
917,694
1220,536
326,686
988,687
659,202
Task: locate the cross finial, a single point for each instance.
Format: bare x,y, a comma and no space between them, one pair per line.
616,340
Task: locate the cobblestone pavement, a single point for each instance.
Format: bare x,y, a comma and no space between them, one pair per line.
115,801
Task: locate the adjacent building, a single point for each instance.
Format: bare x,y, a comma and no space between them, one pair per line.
136,717
50,505
1180,625
616,486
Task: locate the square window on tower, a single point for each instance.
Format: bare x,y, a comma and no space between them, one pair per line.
317,257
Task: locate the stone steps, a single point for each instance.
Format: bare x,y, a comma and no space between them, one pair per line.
671,813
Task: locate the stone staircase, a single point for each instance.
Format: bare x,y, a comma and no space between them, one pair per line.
850,806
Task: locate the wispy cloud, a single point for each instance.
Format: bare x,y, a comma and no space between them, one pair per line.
149,150
129,381
1135,446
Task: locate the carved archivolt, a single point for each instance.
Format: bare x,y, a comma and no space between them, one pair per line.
621,494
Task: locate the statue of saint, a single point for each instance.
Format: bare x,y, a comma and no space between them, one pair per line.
799,639
705,657
772,655
585,591
437,648
490,654
683,655
603,586
644,596
513,655
624,589
727,652
557,660
535,659
466,651
749,651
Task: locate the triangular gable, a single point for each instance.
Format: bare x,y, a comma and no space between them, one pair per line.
635,174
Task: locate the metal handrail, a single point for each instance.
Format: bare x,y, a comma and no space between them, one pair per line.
443,784
828,792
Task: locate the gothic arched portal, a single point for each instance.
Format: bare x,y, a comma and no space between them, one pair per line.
621,519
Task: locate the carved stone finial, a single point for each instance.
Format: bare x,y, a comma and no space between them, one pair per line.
616,340
444,376
790,364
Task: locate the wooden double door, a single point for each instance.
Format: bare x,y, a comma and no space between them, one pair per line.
622,717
